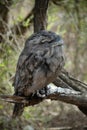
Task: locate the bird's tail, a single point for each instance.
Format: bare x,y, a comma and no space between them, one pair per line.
18,110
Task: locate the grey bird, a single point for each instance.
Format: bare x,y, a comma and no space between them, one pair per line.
39,64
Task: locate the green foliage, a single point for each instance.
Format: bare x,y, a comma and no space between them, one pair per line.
26,23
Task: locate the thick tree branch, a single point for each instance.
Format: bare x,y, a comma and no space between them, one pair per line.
71,82
53,93
40,12
68,85
64,91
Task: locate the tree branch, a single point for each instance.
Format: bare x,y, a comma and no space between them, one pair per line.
53,93
67,89
40,15
71,82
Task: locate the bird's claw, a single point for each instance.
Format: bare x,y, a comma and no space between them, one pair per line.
42,93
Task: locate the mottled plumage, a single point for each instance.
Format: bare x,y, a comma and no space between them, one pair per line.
39,63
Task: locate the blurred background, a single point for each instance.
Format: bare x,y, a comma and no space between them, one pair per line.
67,18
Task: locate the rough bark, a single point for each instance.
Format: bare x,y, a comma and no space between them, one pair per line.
40,12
